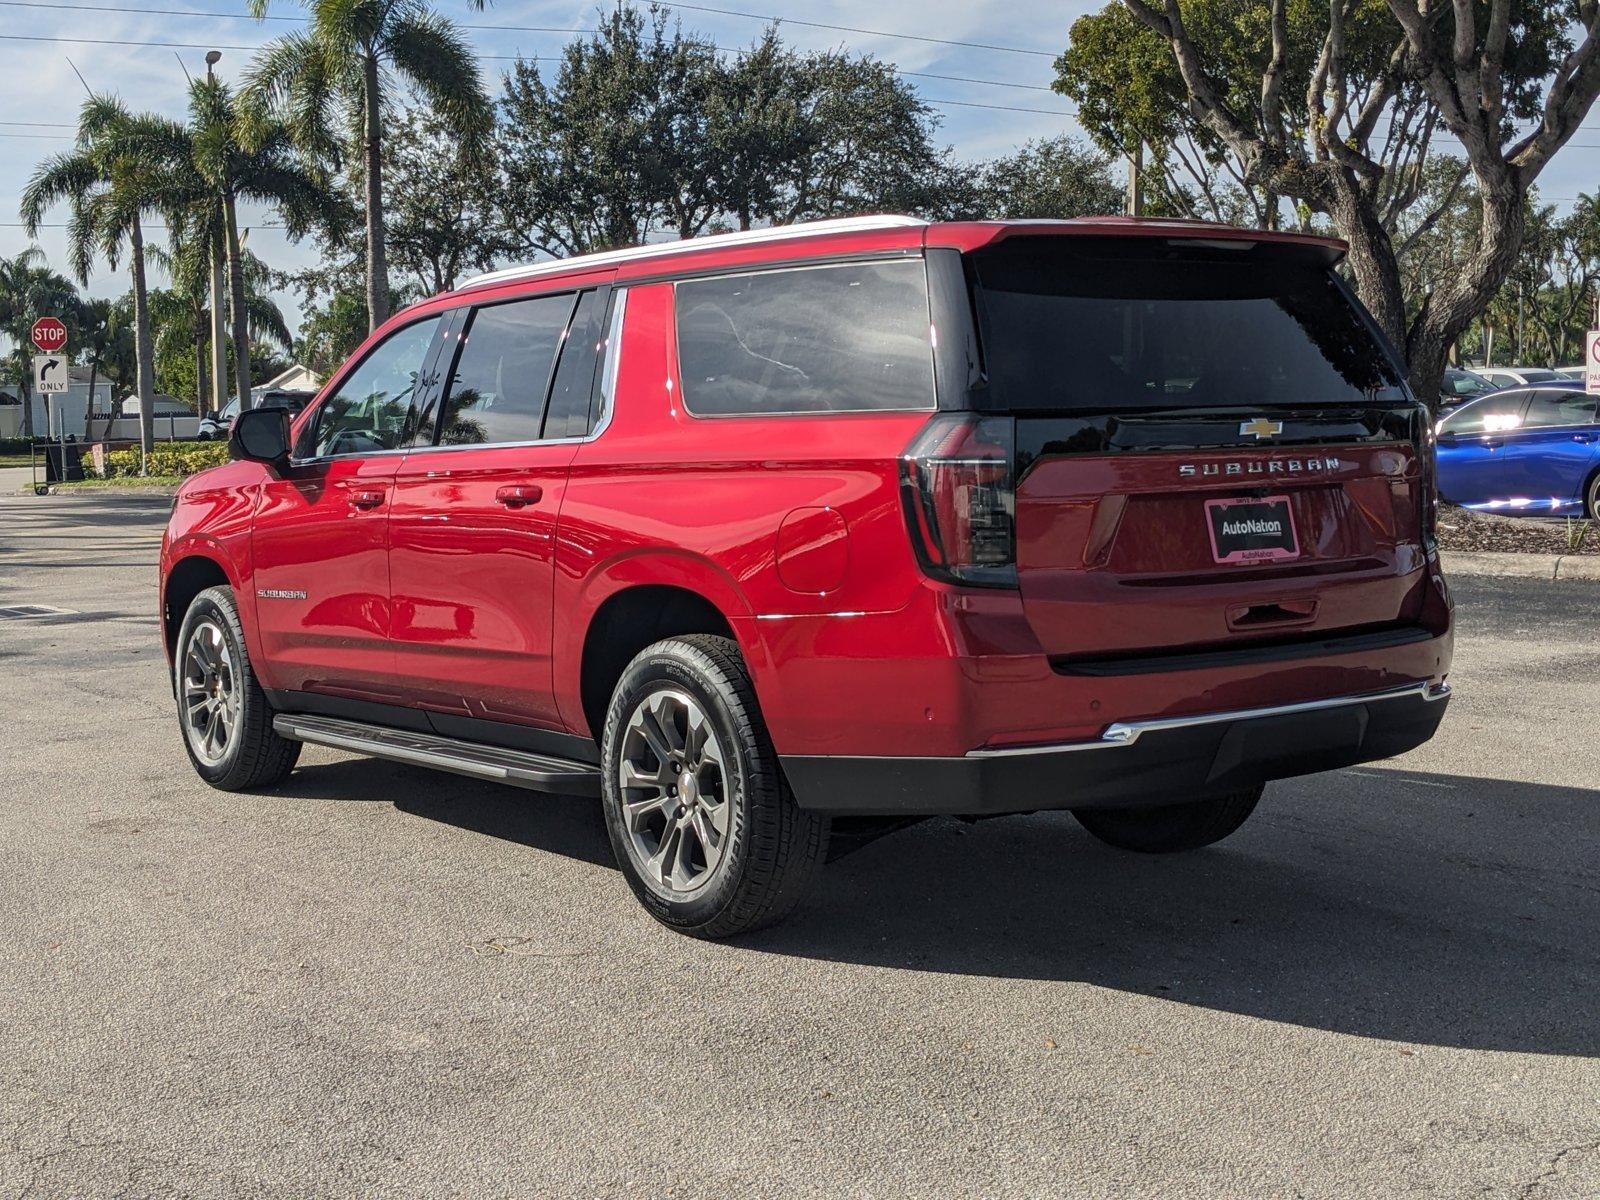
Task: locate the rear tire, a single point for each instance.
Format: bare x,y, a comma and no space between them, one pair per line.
702,824
222,711
1171,828
1592,498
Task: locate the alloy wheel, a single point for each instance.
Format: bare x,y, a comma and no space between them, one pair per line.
673,778
210,693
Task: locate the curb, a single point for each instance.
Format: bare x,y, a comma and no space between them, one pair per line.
1506,565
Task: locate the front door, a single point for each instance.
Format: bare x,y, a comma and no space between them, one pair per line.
472,532
320,540
1474,468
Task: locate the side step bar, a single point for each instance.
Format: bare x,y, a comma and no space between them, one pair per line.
540,772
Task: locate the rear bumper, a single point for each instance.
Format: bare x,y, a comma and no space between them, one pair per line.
1129,764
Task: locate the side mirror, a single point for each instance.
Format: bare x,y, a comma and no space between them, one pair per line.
260,435
1448,438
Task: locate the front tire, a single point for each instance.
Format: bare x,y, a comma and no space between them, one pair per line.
1592,499
1171,828
224,715
702,824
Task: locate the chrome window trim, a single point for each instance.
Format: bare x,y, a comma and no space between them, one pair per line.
1126,733
821,264
612,361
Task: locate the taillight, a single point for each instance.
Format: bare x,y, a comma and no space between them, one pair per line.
956,478
1426,442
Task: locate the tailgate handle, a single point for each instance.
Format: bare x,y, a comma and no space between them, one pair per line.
1278,612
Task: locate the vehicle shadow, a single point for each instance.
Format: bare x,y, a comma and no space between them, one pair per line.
570,826
1384,903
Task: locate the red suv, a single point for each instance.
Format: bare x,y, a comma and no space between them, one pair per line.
775,536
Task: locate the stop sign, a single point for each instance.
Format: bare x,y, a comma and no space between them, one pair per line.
49,334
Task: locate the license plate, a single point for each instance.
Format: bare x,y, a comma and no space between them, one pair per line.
1252,529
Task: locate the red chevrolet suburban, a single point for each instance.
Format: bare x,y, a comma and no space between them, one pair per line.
775,536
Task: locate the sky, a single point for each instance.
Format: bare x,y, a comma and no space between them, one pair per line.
1010,48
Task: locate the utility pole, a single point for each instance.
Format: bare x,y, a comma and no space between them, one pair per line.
1135,183
219,348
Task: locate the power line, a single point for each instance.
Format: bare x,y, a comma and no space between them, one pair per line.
185,12
910,37
26,37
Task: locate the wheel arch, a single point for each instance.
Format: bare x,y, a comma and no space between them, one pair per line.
186,579
630,618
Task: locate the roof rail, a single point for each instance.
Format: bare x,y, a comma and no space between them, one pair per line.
715,241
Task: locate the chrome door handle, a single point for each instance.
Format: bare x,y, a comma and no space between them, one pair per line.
519,495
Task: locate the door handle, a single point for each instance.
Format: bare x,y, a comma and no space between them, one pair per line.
1585,438
519,495
1492,443
365,498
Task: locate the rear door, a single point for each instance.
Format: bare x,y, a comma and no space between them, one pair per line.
472,536
1212,446
320,538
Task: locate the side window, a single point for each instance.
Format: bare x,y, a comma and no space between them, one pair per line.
502,372
373,404
1493,414
839,338
1559,408
567,415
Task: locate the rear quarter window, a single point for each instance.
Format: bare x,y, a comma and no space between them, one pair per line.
847,337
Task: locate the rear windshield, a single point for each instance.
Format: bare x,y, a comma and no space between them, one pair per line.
1097,324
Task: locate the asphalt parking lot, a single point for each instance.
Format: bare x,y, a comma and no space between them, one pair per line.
377,981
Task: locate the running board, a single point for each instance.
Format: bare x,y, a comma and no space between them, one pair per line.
540,772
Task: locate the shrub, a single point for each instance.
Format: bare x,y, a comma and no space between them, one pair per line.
168,458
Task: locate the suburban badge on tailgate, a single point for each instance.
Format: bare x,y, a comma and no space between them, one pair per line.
1271,466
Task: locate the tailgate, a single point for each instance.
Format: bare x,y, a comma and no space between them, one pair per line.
1119,554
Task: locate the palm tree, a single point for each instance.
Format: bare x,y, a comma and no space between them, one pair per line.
98,330
245,153
28,291
335,75
110,180
182,312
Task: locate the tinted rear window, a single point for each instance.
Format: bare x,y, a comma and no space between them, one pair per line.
840,338
1091,323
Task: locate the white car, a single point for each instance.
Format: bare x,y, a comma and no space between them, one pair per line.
1570,372
1505,377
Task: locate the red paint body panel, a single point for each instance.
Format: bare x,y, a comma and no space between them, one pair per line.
793,527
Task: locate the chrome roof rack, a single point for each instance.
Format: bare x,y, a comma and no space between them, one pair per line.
715,241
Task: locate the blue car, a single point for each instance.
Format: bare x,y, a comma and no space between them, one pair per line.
1529,451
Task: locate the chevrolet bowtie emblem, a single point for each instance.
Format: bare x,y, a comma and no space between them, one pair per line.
1260,428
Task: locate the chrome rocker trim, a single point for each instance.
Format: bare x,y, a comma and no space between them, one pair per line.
1126,733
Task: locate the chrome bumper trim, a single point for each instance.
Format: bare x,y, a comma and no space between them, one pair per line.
1126,733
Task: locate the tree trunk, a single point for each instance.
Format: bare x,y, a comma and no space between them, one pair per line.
25,386
1372,260
88,406
236,305
219,339
198,316
143,351
1448,310
377,262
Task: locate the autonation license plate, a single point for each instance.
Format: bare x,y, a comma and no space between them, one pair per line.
1252,530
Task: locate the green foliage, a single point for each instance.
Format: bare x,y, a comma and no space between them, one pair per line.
645,128
331,330
181,459
1049,178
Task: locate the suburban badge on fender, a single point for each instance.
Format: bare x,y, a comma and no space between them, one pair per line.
280,593
1271,466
